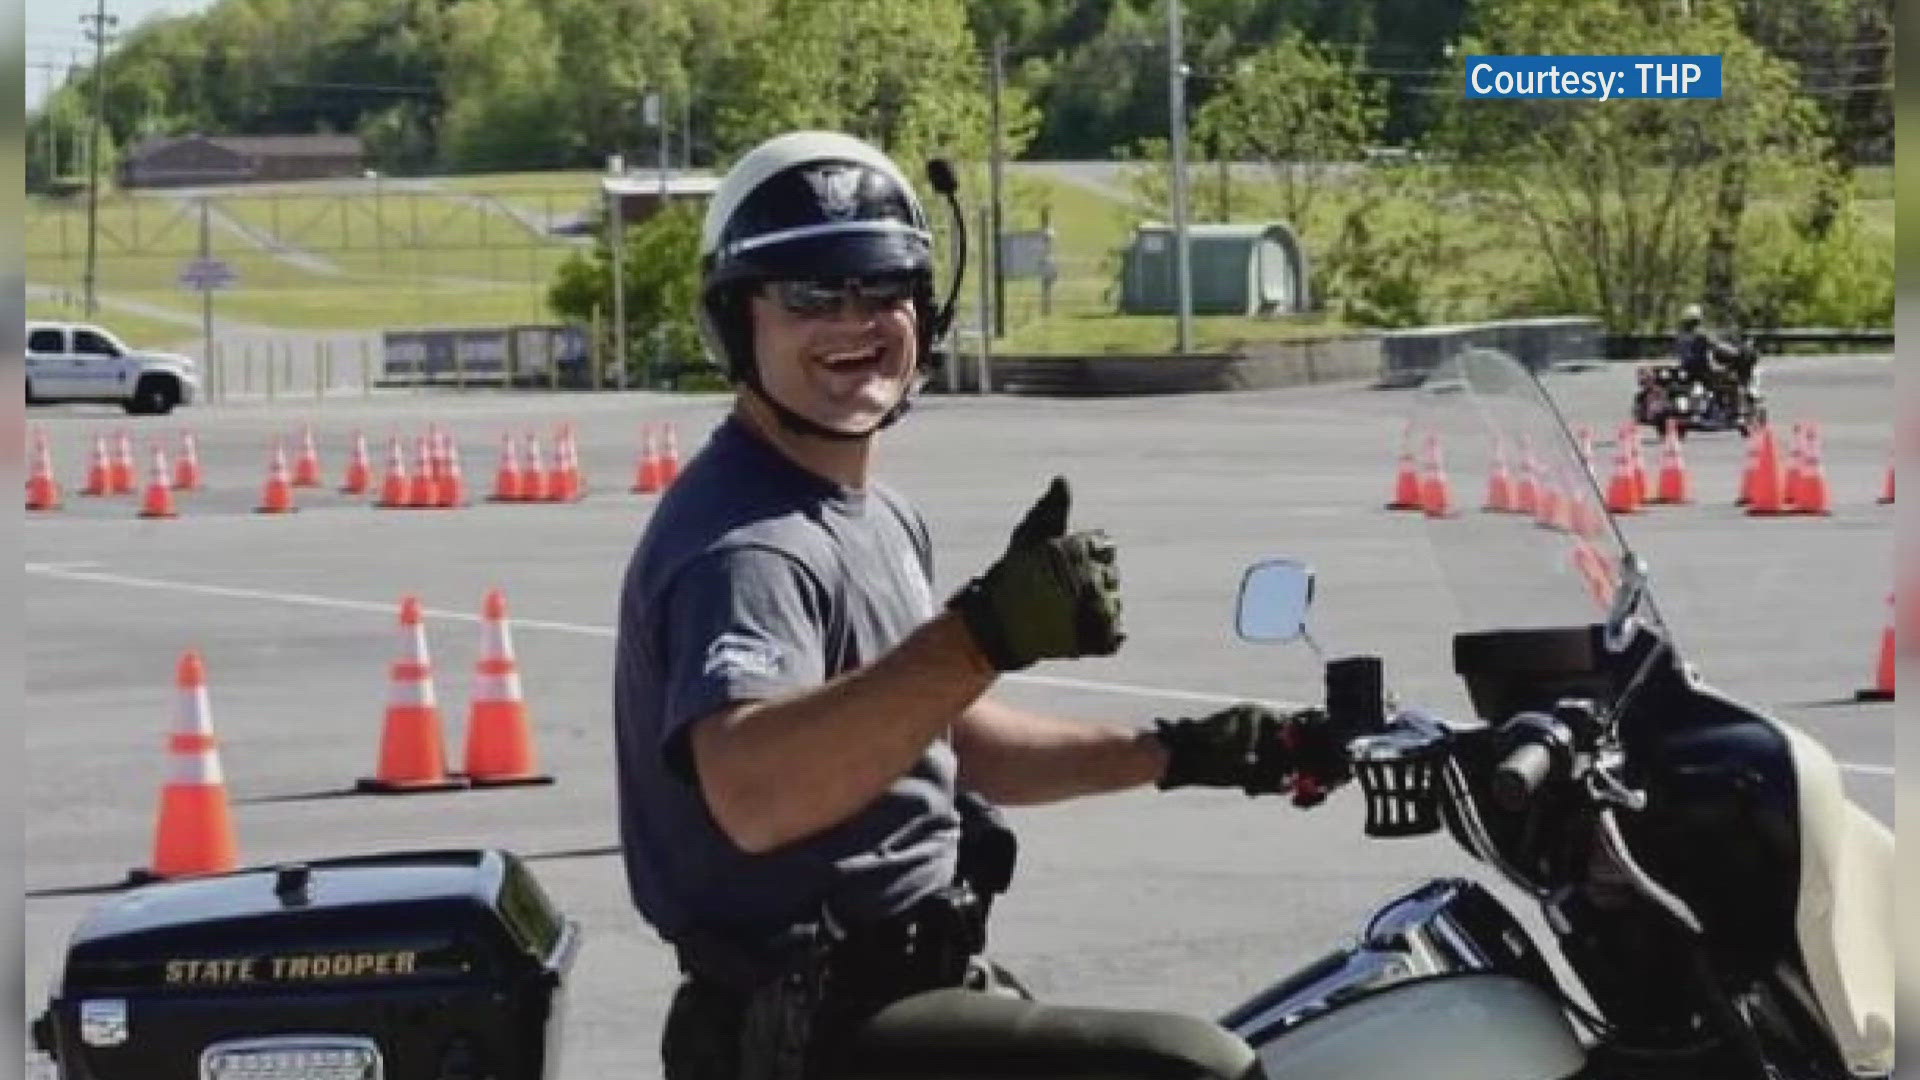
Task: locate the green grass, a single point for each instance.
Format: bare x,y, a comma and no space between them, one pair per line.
136,330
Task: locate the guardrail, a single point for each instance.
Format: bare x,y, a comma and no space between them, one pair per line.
1776,341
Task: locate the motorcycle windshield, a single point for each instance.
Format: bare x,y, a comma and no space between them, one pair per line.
1527,540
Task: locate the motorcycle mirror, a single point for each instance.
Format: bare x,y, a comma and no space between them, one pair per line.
1274,597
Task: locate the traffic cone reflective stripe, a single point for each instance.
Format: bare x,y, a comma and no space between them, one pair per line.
1406,481
122,472
278,496
1768,496
1527,498
395,490
1814,497
670,460
557,488
1623,495
359,476
99,470
1436,493
186,470
159,499
412,754
533,478
506,479
499,737
194,831
424,488
306,469
43,491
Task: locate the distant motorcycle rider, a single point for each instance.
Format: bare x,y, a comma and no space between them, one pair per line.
1699,350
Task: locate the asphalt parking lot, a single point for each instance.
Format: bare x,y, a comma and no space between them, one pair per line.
1190,901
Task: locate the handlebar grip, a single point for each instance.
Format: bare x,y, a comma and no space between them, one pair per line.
1356,695
1520,774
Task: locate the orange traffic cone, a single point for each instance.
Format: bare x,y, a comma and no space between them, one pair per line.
1623,495
1406,481
306,468
1675,485
359,476
646,474
159,499
1499,484
1526,498
499,740
395,490
576,480
1436,493
1790,480
186,469
278,496
1768,495
194,834
1642,488
670,460
533,478
1813,496
121,472
451,488
1548,505
412,756
1585,435
506,480
1886,492
1882,688
421,487
43,491
99,470
559,486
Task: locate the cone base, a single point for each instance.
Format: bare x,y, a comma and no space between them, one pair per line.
1873,695
525,780
373,785
276,509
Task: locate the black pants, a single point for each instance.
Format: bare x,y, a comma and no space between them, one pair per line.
964,1034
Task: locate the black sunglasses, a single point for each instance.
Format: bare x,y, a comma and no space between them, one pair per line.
811,298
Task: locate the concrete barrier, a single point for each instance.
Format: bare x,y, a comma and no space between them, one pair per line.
1408,355
1258,367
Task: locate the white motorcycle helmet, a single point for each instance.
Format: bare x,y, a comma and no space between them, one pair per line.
809,204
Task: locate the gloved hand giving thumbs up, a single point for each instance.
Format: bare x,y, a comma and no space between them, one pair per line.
1052,595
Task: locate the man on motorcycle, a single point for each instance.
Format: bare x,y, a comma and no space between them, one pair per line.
807,755
1698,350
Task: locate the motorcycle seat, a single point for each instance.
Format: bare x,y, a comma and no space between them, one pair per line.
957,1034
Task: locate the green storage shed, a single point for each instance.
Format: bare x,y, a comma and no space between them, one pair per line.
1257,269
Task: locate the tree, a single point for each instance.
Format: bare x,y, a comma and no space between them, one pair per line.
1625,200
1299,108
661,273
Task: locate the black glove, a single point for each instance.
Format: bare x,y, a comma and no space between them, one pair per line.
1257,750
1052,595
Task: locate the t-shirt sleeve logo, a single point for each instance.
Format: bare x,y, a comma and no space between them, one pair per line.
738,656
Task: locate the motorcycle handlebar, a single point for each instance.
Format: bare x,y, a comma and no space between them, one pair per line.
1520,774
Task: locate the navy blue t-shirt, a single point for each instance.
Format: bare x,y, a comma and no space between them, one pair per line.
756,578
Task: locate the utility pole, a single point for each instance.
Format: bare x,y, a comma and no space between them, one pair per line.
1177,113
998,77
97,31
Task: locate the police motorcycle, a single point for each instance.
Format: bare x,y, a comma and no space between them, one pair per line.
1722,909
1731,401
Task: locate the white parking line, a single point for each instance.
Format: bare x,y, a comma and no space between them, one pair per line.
73,572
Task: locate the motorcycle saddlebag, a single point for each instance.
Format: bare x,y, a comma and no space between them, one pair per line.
443,965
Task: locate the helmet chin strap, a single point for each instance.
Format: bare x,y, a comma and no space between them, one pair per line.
800,425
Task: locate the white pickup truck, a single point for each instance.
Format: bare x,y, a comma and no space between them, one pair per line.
83,362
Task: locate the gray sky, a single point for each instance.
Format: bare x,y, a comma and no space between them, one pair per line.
54,33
